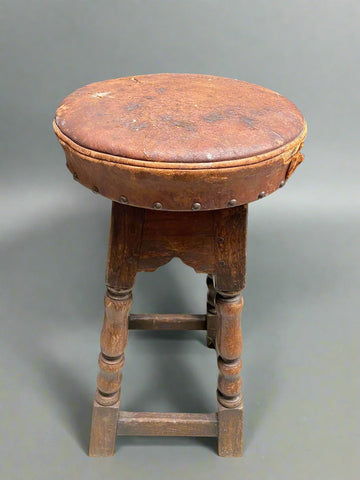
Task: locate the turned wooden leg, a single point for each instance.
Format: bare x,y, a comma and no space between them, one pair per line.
113,341
229,347
211,316
124,244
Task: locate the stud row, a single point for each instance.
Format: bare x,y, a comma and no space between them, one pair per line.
195,206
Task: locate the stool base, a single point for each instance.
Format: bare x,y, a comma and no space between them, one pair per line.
211,242
109,422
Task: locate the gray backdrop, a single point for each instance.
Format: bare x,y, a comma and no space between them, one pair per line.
301,326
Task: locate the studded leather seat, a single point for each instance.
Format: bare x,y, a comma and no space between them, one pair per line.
180,141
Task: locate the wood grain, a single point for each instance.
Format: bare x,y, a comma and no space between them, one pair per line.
124,242
229,282
230,435
124,246
186,235
113,340
167,424
103,430
212,242
230,248
167,321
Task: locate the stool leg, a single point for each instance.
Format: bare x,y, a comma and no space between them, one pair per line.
229,347
229,280
123,251
113,340
211,316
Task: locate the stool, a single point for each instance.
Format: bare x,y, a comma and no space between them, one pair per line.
180,156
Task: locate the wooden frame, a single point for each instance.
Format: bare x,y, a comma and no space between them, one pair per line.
212,242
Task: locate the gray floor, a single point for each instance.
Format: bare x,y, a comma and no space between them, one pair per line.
301,334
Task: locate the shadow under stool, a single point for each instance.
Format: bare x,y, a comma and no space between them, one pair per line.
180,156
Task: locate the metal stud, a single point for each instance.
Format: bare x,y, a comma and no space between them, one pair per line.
95,189
262,195
75,177
157,205
196,206
282,183
232,202
123,199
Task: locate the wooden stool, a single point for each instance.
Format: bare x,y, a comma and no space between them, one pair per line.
180,156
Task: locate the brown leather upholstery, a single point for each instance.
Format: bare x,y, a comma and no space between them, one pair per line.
175,140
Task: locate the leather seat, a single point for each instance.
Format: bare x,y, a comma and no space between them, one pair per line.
179,141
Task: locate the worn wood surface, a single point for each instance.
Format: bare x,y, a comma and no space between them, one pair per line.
186,235
230,232
113,340
156,321
199,239
229,280
212,242
168,424
124,246
103,429
229,348
124,242
230,431
180,142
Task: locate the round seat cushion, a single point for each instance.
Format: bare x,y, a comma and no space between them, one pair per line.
180,141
